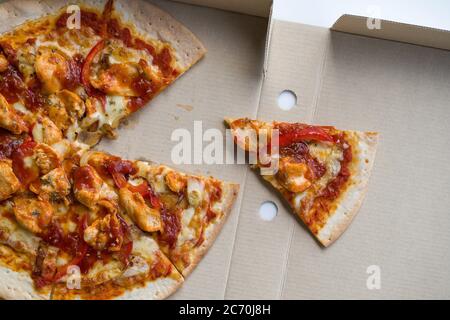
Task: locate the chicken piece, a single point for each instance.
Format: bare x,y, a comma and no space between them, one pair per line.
105,233
9,184
91,191
72,103
87,186
65,109
294,176
9,119
54,186
3,63
250,135
176,182
33,214
148,219
102,272
46,131
51,68
45,266
117,80
46,158
60,117
195,192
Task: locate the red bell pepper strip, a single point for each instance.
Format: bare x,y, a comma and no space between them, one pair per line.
308,133
81,251
86,72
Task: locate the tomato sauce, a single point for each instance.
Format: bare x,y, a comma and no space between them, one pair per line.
8,144
172,227
72,79
13,88
333,189
299,151
84,178
23,172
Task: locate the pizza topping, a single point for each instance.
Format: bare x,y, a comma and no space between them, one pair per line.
33,214
54,186
294,133
24,165
91,191
175,181
299,152
3,63
9,119
87,186
45,131
195,192
86,72
52,69
105,234
294,176
9,183
13,88
148,219
8,144
138,266
45,266
46,158
72,103
116,79
332,190
171,227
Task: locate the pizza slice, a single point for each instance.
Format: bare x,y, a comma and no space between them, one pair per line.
80,81
95,226
18,253
322,172
183,213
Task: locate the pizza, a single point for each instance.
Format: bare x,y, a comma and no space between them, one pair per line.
80,82
321,171
76,223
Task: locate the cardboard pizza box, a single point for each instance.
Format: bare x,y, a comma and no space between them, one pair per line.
394,80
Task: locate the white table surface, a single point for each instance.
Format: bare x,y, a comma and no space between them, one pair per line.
431,13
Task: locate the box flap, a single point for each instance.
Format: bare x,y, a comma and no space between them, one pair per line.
396,31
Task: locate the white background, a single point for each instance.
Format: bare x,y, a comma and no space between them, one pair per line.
431,13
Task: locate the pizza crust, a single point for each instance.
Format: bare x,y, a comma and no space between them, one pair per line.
230,193
15,285
352,199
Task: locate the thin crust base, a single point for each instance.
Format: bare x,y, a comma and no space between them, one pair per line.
353,197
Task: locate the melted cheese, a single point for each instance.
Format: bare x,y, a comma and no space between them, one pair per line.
38,132
115,110
21,108
329,155
195,191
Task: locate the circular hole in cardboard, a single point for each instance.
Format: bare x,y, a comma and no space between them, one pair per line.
268,211
287,100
